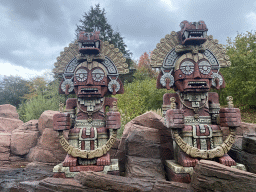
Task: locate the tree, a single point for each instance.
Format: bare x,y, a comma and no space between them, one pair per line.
240,78
95,20
143,69
36,85
12,90
44,97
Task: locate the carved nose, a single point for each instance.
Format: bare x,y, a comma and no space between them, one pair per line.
197,73
89,80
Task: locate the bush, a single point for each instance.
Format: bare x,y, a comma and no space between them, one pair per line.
140,96
48,99
240,78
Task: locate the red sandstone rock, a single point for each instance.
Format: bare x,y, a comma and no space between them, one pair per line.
141,148
116,183
149,119
8,125
144,168
212,176
143,142
46,120
5,141
247,128
24,138
48,148
41,155
8,111
249,144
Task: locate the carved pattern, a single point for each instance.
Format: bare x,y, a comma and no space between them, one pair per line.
164,56
205,154
66,62
75,152
110,66
164,49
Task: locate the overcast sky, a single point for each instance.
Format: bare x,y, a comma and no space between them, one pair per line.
34,32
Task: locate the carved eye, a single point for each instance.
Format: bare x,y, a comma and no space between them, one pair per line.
81,74
204,67
97,74
187,67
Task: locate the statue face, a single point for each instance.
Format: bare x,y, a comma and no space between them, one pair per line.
193,76
193,33
90,83
89,42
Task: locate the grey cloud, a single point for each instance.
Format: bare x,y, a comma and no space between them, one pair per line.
39,30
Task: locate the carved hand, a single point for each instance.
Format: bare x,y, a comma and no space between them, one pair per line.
175,119
230,117
113,120
61,121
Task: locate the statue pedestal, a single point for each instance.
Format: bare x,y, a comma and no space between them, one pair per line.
178,173
69,172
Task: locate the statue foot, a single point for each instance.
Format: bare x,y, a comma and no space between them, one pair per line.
104,160
227,160
186,161
69,161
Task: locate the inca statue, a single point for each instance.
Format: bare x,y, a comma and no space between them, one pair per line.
190,62
89,68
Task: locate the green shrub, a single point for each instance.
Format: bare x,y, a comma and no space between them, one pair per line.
240,78
140,96
49,99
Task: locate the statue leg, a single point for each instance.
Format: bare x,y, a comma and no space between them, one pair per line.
227,160
70,161
104,160
185,160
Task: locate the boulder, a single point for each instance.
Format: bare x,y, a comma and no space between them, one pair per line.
249,144
144,168
142,147
150,119
24,138
143,142
212,176
53,185
117,183
8,111
5,142
247,128
46,120
8,124
48,149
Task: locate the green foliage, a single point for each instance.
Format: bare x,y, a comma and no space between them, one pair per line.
95,20
46,98
12,90
240,78
140,96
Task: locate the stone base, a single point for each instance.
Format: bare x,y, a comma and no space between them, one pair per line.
239,166
69,172
178,173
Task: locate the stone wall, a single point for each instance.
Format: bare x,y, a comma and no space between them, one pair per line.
9,121
34,140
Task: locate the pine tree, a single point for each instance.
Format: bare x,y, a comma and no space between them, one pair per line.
95,20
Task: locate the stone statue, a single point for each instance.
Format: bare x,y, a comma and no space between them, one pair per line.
190,62
91,118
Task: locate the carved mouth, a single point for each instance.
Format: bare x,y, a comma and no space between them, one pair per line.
194,34
197,84
89,90
89,47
